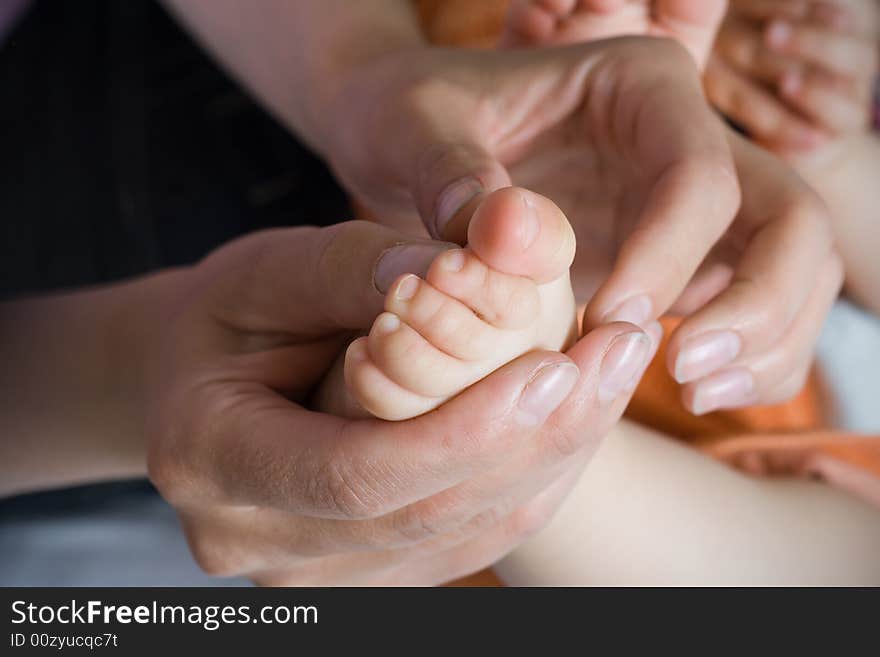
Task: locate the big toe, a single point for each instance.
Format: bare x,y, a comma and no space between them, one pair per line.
518,232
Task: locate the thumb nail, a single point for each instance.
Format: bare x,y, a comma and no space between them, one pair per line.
408,258
452,199
545,392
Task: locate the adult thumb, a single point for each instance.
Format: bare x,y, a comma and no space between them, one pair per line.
451,180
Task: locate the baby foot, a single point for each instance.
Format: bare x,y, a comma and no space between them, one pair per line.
472,313
558,22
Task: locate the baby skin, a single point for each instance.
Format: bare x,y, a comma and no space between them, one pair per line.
476,309
694,23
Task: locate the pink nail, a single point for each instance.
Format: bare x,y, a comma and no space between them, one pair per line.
624,362
452,199
635,310
545,393
704,354
729,389
412,258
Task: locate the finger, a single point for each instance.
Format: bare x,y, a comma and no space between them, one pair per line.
477,547
264,281
711,279
474,503
451,179
838,111
836,53
756,110
780,373
787,232
248,445
251,446
768,9
678,145
741,45
277,539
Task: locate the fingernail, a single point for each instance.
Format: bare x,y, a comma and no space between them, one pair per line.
452,199
702,355
530,225
545,392
730,389
635,310
655,332
409,258
625,360
407,288
778,34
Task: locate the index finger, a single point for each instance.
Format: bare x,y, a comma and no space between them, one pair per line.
257,448
680,181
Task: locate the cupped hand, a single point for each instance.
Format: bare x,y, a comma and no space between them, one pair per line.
619,135
269,489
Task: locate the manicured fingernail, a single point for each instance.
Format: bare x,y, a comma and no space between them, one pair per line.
655,332
386,323
701,355
407,288
530,225
635,310
452,199
545,392
453,261
730,389
409,258
778,34
624,362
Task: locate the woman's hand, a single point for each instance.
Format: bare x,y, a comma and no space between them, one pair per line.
269,489
668,215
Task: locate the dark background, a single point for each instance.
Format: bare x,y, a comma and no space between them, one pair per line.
124,149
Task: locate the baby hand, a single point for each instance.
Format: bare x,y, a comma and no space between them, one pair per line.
797,75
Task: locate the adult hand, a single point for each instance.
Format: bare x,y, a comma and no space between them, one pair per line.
271,490
619,135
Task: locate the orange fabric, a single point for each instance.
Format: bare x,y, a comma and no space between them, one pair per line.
791,439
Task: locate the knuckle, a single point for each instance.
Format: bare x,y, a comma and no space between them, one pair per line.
340,487
421,522
563,443
213,556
